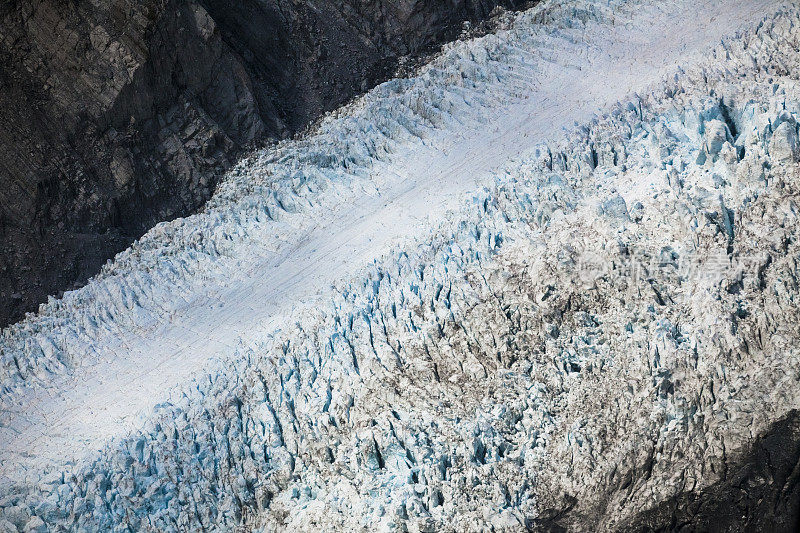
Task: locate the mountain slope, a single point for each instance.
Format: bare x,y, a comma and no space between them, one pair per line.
119,115
595,340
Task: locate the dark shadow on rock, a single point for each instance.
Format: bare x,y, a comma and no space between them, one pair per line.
118,115
759,493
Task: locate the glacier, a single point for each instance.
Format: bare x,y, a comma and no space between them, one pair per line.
617,301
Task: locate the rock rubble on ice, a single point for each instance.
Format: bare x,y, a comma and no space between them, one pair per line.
608,326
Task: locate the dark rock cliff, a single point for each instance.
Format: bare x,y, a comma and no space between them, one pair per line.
118,114
759,491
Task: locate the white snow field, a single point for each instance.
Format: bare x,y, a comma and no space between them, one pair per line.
210,377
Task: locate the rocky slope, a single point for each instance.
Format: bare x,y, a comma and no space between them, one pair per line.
605,340
117,115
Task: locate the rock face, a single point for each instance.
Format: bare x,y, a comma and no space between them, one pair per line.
760,492
118,115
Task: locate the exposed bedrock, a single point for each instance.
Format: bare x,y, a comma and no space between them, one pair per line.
760,492
118,115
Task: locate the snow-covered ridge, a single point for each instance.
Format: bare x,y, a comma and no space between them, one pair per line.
472,380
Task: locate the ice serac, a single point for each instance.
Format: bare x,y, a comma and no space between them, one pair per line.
119,115
604,338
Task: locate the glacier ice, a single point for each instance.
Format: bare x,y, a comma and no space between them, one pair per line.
621,302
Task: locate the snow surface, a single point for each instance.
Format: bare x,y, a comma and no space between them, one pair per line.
289,222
